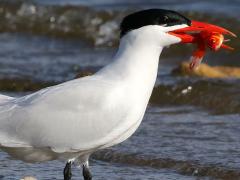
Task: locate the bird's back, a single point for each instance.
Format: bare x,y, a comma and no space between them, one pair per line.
79,115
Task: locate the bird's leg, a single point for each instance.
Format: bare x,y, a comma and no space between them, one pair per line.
67,172
86,172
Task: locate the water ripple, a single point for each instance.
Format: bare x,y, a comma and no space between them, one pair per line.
183,167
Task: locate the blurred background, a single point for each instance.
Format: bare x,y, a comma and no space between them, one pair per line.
192,126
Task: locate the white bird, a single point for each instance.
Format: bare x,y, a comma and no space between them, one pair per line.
72,120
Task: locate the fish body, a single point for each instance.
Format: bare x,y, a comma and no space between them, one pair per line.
206,39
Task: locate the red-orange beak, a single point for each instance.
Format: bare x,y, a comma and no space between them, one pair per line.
191,33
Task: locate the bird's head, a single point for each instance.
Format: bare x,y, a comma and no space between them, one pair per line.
154,25
165,27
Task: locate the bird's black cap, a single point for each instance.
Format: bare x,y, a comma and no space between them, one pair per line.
152,17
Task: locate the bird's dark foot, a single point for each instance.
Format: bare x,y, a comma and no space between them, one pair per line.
67,172
86,172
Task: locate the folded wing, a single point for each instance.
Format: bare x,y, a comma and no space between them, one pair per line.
77,115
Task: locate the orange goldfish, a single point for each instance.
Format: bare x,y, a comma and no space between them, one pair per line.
203,35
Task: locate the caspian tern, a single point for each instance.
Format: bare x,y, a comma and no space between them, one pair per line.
72,120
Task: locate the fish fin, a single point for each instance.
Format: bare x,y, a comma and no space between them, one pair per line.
195,62
227,47
197,56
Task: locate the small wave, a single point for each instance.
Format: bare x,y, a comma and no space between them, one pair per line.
99,27
220,96
182,167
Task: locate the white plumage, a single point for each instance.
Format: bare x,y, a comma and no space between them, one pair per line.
76,118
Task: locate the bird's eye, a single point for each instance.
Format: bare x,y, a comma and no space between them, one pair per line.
165,18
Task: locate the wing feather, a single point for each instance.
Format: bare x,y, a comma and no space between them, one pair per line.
80,114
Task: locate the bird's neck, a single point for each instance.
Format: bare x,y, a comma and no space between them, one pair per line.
136,61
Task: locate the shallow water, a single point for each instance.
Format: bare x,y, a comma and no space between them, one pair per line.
47,59
186,134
